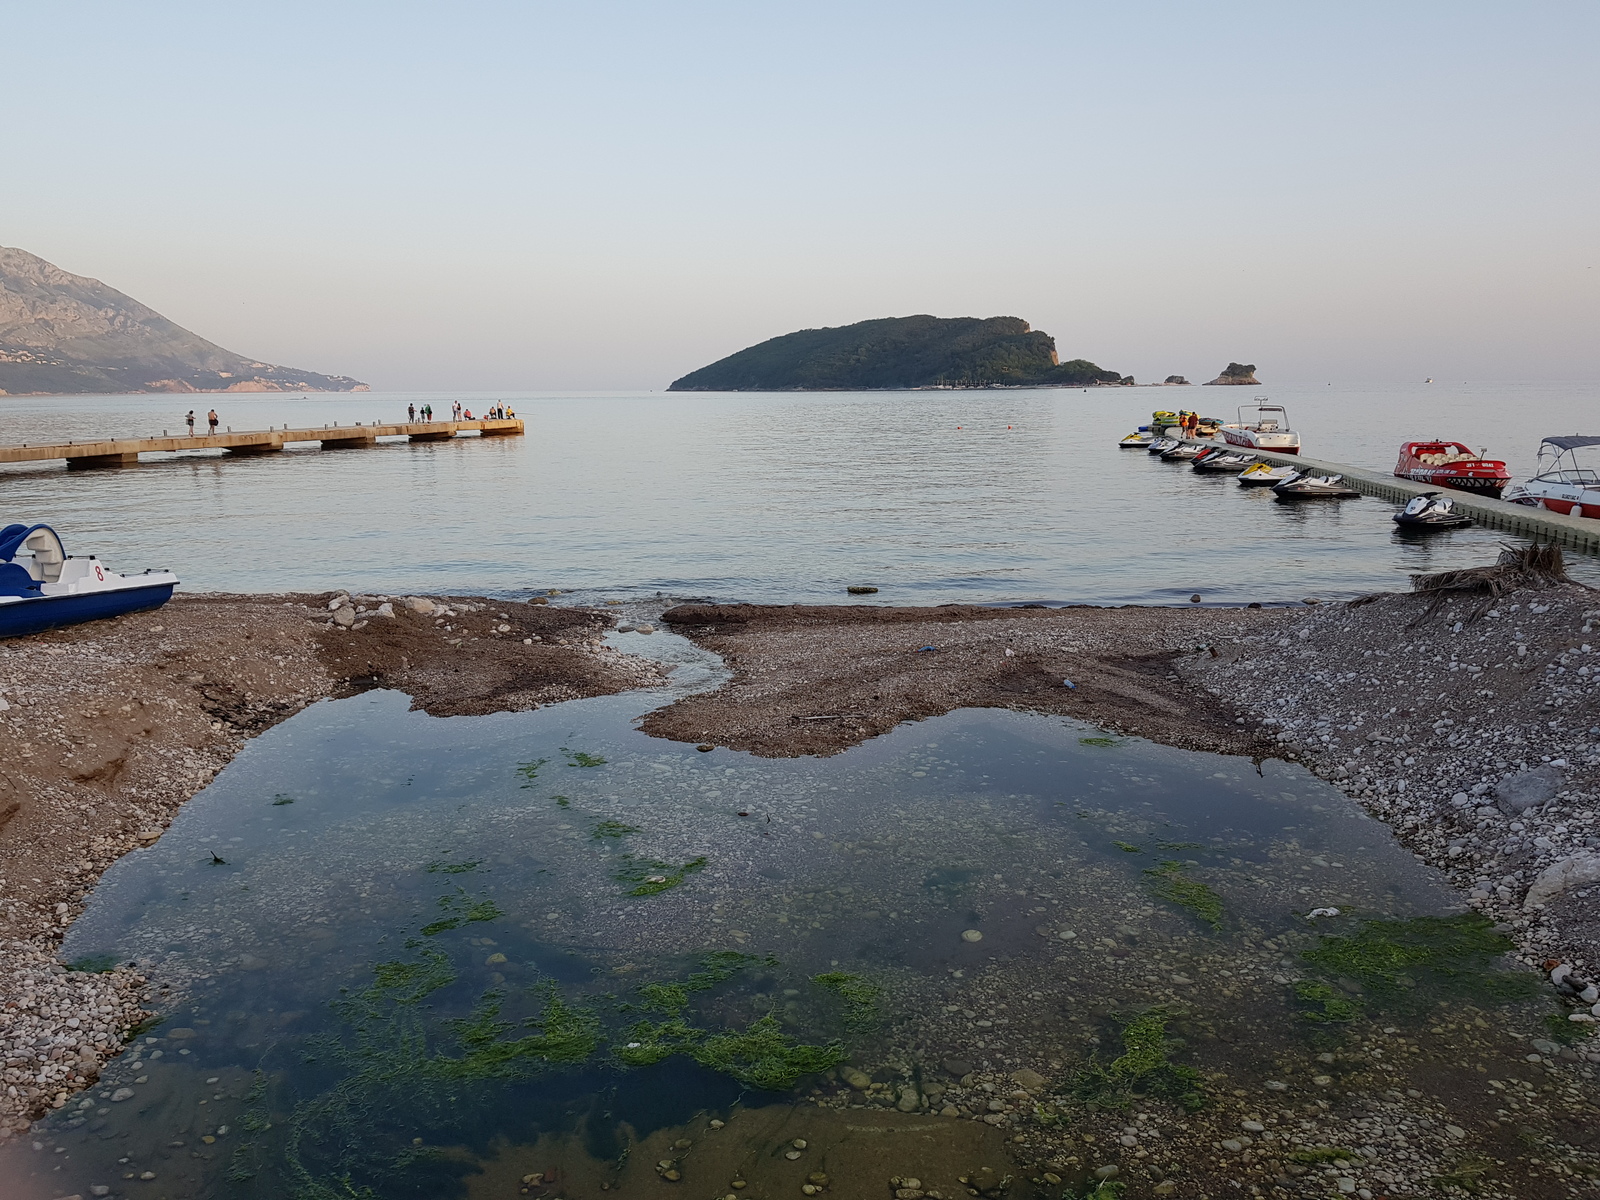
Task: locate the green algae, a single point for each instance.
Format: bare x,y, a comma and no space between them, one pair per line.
461,909
530,770
1169,883
460,868
765,1057
861,997
281,799
651,878
1143,1069
715,968
1098,741
1410,963
94,964
1328,1004
1312,1155
1128,847
577,758
613,829
1470,1176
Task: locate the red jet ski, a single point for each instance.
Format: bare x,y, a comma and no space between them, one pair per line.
1452,465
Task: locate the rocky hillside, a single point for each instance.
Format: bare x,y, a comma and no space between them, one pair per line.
64,334
900,352
1236,375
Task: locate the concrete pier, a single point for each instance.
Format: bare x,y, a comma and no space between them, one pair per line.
1579,533
125,452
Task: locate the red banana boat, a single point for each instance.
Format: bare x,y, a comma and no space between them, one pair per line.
1452,465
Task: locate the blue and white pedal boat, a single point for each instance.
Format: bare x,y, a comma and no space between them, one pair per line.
42,587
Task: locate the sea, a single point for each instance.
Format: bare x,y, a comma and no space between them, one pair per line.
987,497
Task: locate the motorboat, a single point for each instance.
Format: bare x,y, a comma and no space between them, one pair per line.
1138,440
1563,482
1225,462
1162,444
1262,427
42,587
1304,486
1430,511
1182,452
1453,465
1265,474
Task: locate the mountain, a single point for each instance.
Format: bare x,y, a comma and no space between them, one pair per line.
63,334
899,352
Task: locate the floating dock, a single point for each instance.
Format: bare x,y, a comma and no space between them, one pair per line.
125,452
1540,524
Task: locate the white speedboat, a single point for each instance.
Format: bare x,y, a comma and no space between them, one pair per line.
1297,486
1262,427
1264,474
42,587
1564,482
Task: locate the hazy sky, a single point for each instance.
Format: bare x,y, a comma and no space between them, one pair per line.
606,195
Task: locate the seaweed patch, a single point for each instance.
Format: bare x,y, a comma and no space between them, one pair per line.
461,909
1142,1069
861,998
1170,884
1409,963
650,878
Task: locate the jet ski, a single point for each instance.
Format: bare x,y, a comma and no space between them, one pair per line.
1162,444
1225,462
1138,440
1182,452
1430,511
1264,474
1298,486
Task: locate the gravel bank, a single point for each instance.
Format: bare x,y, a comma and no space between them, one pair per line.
1471,726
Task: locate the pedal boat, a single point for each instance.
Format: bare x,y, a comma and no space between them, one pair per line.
1563,484
1224,462
1262,427
42,587
1314,487
1452,465
1428,512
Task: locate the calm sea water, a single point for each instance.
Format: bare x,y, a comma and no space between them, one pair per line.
986,497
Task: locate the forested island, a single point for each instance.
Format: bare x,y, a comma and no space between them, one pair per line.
900,352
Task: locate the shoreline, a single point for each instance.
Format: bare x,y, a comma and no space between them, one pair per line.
115,725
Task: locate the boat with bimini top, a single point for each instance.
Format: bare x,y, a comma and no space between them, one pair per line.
42,587
1262,427
1564,482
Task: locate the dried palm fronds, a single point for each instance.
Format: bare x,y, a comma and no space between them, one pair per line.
1517,567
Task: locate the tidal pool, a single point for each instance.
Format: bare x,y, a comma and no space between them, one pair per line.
539,953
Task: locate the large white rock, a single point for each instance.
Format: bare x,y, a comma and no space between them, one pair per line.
420,604
1581,870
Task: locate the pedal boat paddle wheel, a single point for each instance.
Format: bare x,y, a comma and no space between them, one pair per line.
42,587
1566,482
1452,465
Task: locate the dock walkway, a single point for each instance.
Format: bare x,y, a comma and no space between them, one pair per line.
1580,533
124,452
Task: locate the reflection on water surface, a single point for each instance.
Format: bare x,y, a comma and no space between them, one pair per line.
540,953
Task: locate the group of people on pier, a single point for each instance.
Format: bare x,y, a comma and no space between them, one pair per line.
458,412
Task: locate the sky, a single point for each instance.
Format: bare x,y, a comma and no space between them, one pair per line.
606,195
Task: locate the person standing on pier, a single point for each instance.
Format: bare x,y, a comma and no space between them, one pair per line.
411,412
189,421
211,421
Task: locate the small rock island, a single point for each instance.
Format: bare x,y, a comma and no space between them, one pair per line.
901,353
1236,375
